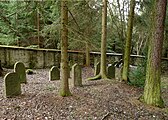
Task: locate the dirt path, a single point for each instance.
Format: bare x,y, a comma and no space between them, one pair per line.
96,100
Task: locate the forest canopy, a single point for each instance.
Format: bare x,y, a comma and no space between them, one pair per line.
37,24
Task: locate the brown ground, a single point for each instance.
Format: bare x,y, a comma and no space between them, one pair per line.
96,100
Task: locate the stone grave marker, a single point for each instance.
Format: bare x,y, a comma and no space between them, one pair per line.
118,73
20,69
77,75
54,73
97,69
12,85
111,71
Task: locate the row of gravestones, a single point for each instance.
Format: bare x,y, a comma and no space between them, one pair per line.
112,71
13,80
54,74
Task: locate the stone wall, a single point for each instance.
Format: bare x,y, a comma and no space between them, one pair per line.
42,58
36,58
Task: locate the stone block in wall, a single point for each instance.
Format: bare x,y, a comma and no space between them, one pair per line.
40,59
32,59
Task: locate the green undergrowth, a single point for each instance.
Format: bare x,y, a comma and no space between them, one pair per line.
137,77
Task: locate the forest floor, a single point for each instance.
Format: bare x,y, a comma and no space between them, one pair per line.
96,100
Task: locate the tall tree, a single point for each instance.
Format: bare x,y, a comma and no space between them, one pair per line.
103,40
87,54
128,42
64,91
152,90
102,73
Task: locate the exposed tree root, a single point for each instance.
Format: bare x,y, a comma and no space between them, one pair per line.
99,76
95,77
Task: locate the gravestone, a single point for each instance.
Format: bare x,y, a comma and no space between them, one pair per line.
97,69
118,73
54,73
12,85
111,71
77,75
19,68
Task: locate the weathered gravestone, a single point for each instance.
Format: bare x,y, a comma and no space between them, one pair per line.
111,71
54,73
97,69
12,85
77,75
19,68
118,71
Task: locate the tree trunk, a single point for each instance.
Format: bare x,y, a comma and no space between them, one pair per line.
64,91
87,54
38,27
102,73
152,90
103,40
128,42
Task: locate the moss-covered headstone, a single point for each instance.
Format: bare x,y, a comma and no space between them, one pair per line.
19,68
97,69
54,73
76,75
111,71
12,85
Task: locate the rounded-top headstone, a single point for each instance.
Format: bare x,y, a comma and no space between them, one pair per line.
77,75
20,69
12,85
54,73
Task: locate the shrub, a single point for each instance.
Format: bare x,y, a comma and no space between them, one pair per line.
138,76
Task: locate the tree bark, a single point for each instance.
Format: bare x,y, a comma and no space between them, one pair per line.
152,90
128,42
38,27
103,40
87,54
64,91
102,73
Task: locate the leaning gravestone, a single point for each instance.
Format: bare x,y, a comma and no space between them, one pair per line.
111,71
97,69
12,85
77,75
54,73
19,68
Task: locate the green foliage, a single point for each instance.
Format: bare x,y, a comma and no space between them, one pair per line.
137,77
18,24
